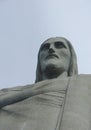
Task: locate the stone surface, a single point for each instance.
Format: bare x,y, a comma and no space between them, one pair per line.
39,112
60,98
64,105
77,111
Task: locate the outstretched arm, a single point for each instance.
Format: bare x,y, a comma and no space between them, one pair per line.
16,95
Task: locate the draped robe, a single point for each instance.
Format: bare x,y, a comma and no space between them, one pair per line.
56,104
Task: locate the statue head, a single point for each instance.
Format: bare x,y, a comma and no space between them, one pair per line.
56,57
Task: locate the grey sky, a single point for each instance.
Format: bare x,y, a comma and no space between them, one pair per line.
25,24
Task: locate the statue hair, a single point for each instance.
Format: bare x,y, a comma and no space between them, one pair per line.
73,68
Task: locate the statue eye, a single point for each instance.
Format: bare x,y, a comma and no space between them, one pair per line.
45,46
59,45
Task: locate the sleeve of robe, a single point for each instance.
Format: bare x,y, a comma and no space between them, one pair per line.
59,104
33,107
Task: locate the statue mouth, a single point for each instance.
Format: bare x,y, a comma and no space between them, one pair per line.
52,56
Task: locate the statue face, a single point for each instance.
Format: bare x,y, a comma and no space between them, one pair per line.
55,53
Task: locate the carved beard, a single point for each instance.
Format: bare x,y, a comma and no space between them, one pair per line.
51,71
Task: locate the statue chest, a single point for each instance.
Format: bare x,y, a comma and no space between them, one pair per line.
35,113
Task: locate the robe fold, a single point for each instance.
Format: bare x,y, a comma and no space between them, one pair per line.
57,104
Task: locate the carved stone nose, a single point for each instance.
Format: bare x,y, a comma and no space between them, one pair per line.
51,50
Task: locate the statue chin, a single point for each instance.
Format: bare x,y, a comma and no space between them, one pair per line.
50,67
52,71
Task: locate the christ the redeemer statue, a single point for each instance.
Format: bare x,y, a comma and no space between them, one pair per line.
60,99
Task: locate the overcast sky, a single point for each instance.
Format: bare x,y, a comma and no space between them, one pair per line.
25,24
